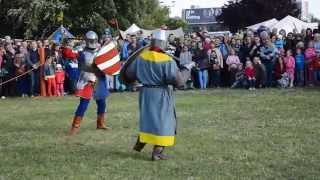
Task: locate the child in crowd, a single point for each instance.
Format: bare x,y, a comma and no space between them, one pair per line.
240,78
250,74
290,66
316,70
233,62
310,56
261,72
279,43
280,68
299,67
60,77
49,76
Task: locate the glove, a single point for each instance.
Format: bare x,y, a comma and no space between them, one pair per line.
189,66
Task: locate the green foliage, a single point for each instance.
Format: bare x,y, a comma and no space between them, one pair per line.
38,18
222,134
241,13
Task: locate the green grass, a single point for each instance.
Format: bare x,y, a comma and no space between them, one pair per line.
222,134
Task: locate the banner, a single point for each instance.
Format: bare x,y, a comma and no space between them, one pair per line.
202,15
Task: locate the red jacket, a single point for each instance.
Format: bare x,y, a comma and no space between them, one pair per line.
59,77
68,53
250,72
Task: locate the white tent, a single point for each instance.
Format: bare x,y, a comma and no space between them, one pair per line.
133,29
268,23
290,23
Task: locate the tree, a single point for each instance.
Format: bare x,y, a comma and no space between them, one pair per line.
39,18
239,14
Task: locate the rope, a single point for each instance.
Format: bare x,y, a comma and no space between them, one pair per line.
23,74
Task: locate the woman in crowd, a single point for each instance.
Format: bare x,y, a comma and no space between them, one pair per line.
310,56
268,55
201,58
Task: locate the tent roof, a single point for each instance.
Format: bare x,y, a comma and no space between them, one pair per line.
290,23
133,29
267,23
61,32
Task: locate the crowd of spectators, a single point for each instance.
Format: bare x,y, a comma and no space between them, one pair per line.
249,60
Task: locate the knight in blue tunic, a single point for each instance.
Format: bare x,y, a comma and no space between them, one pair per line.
158,72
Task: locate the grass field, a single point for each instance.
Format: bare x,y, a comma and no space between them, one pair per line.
222,134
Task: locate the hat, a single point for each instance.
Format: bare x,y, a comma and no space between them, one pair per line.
160,35
59,66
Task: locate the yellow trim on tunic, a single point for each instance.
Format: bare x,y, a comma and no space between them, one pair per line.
155,57
156,140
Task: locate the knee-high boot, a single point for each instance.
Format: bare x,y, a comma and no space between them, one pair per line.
101,122
75,125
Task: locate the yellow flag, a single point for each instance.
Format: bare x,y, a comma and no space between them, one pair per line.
60,17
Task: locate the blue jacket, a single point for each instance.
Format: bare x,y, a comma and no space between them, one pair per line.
299,62
72,70
124,51
279,44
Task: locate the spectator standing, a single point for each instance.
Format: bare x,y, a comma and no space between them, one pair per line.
8,64
300,61
33,61
49,76
20,68
186,58
268,55
60,77
233,62
310,56
201,58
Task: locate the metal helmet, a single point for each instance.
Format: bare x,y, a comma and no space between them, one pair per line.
159,39
91,40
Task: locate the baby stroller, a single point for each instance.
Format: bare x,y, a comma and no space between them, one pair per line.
284,81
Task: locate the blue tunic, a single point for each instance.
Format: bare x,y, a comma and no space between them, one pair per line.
156,70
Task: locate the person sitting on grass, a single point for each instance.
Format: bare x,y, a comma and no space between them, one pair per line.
240,78
261,73
250,74
280,68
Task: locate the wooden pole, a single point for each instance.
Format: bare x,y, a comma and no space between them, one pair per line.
43,91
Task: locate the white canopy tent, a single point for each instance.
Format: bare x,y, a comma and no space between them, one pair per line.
290,23
268,23
134,29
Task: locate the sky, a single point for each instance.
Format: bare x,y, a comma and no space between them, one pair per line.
176,8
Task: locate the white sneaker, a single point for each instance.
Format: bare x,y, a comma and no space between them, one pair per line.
3,97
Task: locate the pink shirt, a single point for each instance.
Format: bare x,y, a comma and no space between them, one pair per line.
233,59
1,59
290,63
310,53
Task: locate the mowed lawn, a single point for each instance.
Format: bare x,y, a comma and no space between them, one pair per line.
222,134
